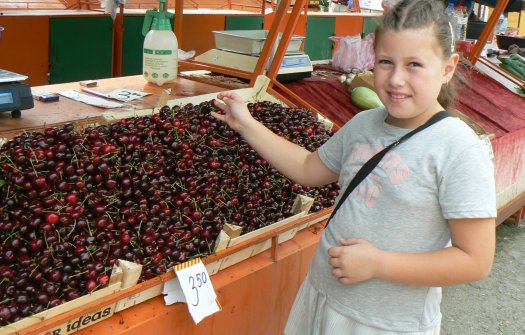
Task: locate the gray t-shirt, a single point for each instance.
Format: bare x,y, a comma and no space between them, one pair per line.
440,173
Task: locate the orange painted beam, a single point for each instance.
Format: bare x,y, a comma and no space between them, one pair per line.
291,23
348,25
300,28
118,38
487,31
178,29
24,47
197,31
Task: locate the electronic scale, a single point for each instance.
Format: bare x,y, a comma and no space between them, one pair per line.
240,49
293,67
14,95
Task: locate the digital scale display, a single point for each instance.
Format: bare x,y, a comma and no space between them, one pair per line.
295,62
14,95
6,98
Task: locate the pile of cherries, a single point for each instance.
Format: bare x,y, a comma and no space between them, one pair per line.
154,190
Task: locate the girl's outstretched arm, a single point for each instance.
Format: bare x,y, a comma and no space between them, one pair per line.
470,258
297,163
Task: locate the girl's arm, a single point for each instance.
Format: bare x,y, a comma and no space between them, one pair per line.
469,258
295,162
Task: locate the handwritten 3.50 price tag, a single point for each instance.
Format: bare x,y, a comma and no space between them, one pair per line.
126,95
197,288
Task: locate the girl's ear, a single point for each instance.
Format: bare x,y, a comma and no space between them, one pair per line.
450,67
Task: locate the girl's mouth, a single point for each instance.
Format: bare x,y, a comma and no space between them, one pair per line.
398,97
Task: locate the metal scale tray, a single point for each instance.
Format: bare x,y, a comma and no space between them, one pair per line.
251,42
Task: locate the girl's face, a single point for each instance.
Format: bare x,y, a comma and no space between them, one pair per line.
408,75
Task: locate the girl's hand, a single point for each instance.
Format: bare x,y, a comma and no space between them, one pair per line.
236,113
354,261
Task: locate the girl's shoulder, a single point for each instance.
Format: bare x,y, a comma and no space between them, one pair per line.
373,116
456,129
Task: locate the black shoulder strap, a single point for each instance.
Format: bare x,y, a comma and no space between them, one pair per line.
372,162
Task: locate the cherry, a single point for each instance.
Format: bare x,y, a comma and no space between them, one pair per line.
5,313
55,275
91,285
71,198
52,218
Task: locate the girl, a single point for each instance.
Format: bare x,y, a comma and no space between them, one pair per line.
422,219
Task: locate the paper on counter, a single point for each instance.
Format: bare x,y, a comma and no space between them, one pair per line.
87,99
126,95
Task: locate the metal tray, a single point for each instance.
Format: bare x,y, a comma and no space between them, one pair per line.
250,42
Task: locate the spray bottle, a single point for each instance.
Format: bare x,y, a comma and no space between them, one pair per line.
160,59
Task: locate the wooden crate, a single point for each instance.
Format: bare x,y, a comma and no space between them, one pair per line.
76,323
230,236
301,207
250,94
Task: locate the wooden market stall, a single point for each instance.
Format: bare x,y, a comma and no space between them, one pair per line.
256,293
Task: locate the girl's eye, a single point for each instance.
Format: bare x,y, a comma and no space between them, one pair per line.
414,64
384,61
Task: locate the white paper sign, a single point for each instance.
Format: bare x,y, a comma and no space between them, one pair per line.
126,95
89,99
173,292
198,290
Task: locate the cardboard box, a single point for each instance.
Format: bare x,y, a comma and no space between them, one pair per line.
75,324
365,79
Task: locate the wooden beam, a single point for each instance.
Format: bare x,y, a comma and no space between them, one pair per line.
487,31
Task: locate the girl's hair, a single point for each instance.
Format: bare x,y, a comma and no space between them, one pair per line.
417,14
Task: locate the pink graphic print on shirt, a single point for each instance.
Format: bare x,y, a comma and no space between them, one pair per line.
391,170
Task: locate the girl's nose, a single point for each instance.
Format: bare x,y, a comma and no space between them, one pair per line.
397,77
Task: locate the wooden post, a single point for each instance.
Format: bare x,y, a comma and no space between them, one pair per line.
489,28
179,9
285,40
118,32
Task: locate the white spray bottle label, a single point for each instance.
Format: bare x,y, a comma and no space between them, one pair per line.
160,57
161,49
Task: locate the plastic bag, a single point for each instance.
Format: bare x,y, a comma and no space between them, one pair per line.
353,52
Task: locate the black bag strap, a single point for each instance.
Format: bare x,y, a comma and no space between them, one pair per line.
374,161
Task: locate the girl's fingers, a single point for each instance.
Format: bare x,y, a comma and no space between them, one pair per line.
337,273
349,241
334,262
219,104
218,116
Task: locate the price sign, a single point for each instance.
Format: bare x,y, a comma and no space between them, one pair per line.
126,95
197,288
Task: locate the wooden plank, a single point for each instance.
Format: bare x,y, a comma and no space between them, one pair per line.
511,208
13,6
